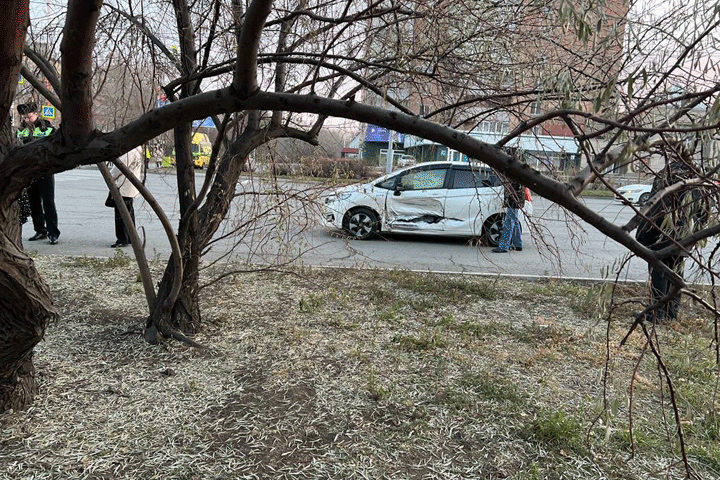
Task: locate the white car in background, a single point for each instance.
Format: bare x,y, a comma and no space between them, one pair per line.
435,198
636,194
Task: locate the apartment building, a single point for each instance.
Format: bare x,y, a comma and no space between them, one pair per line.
502,65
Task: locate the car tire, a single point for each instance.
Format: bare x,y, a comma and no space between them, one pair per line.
492,229
644,198
361,223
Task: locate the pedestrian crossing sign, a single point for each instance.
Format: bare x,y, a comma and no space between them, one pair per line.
48,111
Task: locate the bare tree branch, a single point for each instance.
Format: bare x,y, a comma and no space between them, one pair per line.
77,50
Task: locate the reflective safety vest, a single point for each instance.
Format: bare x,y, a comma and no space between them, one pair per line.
25,134
39,132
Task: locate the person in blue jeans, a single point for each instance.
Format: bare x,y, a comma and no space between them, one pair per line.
511,236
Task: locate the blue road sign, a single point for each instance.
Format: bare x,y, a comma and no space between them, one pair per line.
207,122
203,123
48,111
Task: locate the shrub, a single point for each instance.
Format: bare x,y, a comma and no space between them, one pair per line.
344,168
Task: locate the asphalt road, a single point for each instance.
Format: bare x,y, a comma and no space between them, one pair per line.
557,247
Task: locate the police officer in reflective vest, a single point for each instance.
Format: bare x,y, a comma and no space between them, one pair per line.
42,191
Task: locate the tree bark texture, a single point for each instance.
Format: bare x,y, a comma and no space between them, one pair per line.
26,307
12,38
77,51
195,235
184,314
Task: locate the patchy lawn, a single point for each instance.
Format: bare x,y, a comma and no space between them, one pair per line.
350,374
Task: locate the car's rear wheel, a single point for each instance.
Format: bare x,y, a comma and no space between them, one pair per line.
361,223
644,198
492,229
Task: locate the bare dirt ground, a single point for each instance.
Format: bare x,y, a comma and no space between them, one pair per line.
361,374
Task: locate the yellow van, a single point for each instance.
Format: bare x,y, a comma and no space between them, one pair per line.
201,150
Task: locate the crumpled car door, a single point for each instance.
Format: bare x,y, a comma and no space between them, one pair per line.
471,198
418,202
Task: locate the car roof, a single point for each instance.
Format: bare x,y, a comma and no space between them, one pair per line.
450,163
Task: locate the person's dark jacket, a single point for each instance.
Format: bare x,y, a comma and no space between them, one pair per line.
514,195
678,214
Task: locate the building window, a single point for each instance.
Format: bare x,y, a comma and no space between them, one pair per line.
536,108
492,126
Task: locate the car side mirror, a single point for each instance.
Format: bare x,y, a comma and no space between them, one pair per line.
398,189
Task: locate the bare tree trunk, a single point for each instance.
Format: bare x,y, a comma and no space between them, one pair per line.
195,232
25,306
197,227
25,311
185,312
184,315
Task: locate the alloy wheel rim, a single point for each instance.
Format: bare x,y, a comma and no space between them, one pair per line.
360,224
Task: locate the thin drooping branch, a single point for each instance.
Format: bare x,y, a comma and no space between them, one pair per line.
673,397
149,35
138,250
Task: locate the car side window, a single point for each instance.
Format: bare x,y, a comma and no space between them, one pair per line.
424,179
388,184
492,179
466,178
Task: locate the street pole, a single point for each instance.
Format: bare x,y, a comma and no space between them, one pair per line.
390,153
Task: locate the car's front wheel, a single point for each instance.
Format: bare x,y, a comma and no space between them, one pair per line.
644,198
492,229
361,223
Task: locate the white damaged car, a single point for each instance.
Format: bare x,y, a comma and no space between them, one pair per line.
436,198
635,193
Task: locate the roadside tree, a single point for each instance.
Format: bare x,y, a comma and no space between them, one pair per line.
374,63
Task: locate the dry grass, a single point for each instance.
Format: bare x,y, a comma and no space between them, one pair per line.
353,374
